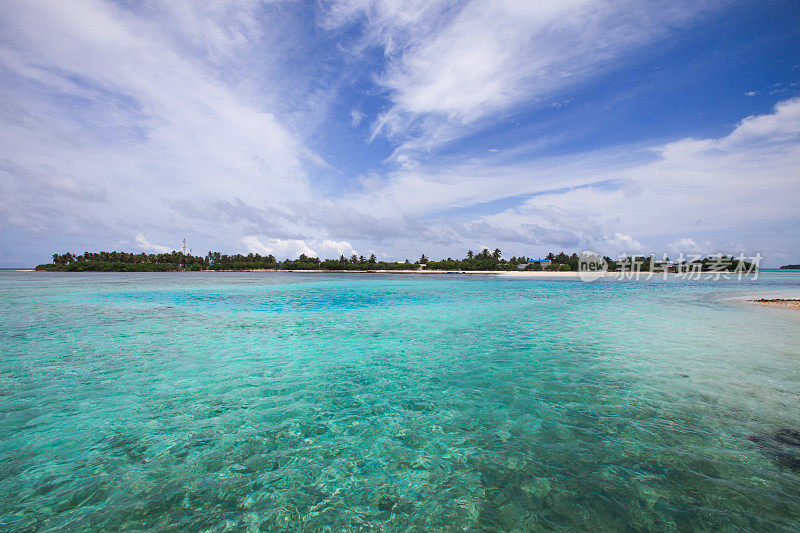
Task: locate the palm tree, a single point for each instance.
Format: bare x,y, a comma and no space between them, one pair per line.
470,254
496,254
423,258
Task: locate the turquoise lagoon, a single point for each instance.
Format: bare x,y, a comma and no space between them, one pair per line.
278,401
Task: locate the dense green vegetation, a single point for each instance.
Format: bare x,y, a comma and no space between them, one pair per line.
110,266
791,267
142,262
483,260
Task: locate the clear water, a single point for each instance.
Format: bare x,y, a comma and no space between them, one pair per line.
269,401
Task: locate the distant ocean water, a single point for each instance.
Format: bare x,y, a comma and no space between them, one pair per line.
269,401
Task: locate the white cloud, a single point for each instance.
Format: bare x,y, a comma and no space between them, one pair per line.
731,184
280,248
620,242
253,245
687,245
138,102
292,248
147,246
356,117
328,249
742,183
450,65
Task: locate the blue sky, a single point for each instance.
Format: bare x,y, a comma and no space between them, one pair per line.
400,127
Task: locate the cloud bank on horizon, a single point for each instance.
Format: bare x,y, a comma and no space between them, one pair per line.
397,128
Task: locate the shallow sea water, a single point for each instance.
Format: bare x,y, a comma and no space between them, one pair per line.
277,401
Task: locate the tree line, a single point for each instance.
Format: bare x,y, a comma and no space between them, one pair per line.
473,261
175,261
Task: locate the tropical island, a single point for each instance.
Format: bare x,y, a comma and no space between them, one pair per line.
177,261
483,261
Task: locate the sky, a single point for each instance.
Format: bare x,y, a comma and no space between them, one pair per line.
400,127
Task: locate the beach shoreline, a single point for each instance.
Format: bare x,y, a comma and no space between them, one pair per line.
500,273
780,303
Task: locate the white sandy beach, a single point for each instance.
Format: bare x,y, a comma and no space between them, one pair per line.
502,273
